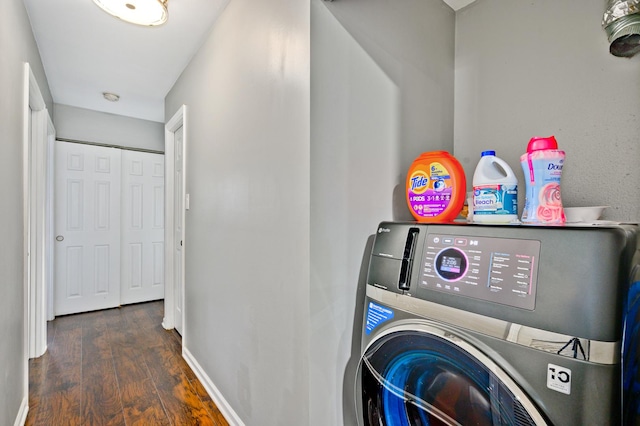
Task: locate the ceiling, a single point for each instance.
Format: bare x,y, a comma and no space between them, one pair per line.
458,4
86,52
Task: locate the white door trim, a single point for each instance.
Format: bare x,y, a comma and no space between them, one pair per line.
37,132
50,224
179,119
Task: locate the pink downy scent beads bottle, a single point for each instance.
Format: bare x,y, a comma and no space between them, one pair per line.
542,166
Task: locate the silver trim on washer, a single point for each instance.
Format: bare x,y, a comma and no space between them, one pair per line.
595,351
424,327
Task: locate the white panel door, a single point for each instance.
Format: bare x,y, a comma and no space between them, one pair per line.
87,223
179,228
142,227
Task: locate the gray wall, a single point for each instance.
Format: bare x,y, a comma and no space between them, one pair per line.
273,315
381,93
541,68
101,127
247,231
17,46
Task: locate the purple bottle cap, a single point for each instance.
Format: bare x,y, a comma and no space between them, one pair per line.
537,144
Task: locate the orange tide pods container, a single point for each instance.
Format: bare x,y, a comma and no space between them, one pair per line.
436,187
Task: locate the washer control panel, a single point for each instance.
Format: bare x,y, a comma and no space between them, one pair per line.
500,270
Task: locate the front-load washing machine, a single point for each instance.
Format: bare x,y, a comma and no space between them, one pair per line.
500,325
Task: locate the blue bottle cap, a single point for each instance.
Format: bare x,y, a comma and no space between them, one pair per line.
487,153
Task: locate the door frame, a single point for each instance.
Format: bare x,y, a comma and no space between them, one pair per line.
50,225
179,119
38,132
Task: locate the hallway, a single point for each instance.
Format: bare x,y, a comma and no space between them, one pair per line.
116,367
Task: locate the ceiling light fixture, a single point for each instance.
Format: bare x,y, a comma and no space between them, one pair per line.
111,97
140,12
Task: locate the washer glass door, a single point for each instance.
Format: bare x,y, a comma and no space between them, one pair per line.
431,377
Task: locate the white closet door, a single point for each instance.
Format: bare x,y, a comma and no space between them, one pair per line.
87,223
142,227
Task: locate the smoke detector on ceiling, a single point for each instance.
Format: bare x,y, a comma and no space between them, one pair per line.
111,97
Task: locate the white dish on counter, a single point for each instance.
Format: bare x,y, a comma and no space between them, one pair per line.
583,214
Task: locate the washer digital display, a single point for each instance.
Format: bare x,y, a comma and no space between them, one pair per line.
501,270
451,264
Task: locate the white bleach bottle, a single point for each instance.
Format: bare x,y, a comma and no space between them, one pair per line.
495,191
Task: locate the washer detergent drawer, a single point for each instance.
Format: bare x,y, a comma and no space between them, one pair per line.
428,376
392,257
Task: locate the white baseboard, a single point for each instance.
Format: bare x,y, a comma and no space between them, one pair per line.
231,416
22,414
165,325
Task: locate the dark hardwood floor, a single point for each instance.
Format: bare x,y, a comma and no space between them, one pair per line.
116,367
